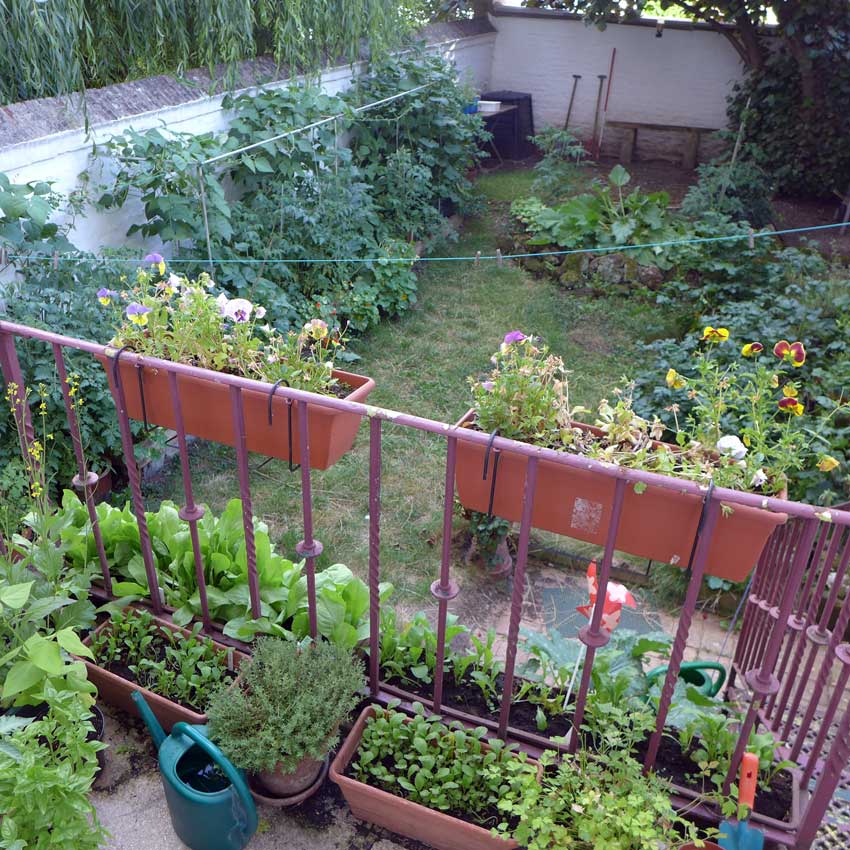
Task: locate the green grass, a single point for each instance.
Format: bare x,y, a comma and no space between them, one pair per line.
420,363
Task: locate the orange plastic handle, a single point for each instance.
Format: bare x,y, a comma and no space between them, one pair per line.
749,780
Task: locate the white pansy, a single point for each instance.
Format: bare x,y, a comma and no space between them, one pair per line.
732,446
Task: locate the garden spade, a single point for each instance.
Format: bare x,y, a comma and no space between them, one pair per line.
740,835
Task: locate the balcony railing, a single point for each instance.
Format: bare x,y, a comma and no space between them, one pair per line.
786,634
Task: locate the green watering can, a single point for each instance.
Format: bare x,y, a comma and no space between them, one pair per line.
696,673
209,802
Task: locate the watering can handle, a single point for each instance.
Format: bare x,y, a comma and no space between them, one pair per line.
226,768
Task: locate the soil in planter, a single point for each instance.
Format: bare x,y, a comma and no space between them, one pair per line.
156,652
468,697
673,763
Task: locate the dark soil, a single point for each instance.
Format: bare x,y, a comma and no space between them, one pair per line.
156,652
468,697
675,764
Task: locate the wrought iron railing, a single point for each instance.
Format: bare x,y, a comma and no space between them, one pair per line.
785,632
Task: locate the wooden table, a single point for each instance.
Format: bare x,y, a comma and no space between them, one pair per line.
689,154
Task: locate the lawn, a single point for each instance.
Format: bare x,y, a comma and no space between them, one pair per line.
420,363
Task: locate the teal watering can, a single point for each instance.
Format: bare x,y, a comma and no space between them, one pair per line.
698,674
208,799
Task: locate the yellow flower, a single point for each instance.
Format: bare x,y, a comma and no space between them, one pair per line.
790,391
752,349
827,463
710,334
774,381
675,380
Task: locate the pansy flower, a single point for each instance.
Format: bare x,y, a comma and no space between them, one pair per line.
514,336
752,349
790,391
105,296
791,405
238,309
792,352
710,334
316,329
827,463
138,314
156,261
674,380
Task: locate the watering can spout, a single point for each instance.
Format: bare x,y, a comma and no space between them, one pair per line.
149,717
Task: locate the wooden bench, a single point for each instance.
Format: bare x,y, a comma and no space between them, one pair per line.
689,154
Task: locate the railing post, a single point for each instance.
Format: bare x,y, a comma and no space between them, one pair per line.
190,513
444,589
592,635
764,682
240,441
704,536
135,487
308,548
85,479
518,593
374,554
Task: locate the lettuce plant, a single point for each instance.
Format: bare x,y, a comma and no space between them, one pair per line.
342,599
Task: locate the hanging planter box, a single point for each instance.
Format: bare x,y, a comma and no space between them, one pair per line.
117,691
401,816
659,524
207,413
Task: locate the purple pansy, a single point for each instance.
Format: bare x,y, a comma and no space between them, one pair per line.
105,295
514,336
487,385
138,313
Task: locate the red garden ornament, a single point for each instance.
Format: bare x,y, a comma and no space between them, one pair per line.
616,596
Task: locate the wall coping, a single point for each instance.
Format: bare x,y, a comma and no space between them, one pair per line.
27,121
500,10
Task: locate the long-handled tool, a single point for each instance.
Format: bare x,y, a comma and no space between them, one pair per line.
605,107
602,78
576,78
740,835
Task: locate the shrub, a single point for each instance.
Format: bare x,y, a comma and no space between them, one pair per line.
289,705
557,172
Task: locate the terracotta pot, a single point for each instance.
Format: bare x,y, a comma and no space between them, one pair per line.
207,413
659,524
401,816
116,691
289,784
262,795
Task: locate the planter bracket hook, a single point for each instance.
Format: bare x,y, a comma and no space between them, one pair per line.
117,380
496,455
288,417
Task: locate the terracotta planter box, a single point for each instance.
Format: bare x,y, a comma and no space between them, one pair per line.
116,691
207,413
401,816
658,524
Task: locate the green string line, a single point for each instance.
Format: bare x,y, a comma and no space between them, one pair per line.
381,260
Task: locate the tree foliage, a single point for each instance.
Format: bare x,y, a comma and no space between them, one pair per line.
67,45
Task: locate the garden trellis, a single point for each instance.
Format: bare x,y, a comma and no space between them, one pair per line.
783,611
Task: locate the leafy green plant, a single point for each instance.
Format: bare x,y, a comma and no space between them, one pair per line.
742,190
47,767
607,217
447,767
288,706
185,669
558,169
342,599
430,124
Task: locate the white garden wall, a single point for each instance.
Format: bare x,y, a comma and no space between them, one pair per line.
682,78
61,156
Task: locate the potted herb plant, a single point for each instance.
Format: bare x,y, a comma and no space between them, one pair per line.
282,717
172,318
527,397
177,670
435,783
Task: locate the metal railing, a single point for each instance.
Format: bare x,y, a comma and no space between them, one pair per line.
784,614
